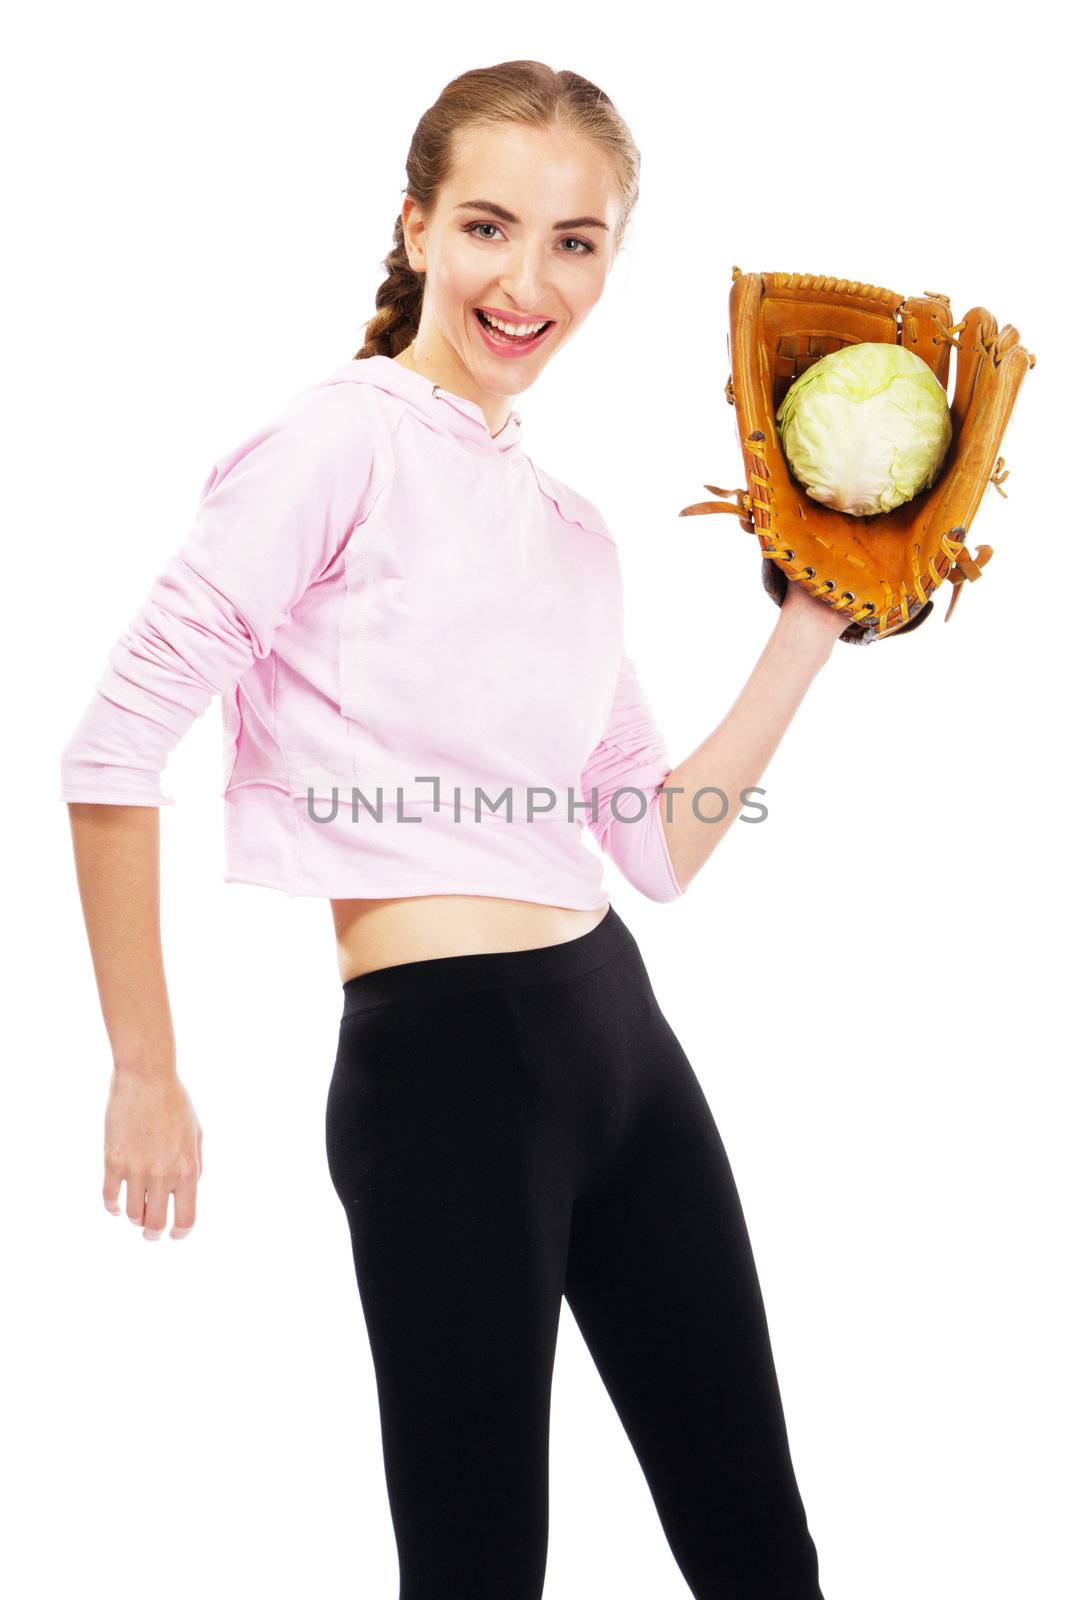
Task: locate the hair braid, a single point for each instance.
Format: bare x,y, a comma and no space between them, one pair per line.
398,303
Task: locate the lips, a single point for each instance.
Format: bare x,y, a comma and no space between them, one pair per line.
503,344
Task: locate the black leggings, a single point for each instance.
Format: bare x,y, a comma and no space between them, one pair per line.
508,1128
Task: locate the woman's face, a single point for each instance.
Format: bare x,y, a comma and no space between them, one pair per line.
497,242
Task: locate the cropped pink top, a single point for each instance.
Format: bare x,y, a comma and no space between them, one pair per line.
417,637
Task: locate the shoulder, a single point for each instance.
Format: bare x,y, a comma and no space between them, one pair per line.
572,506
332,415
330,440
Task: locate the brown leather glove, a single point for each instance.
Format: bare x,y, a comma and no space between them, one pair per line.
879,570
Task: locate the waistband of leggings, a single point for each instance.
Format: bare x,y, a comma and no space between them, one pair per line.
496,969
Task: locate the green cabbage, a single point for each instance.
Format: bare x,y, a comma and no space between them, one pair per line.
865,428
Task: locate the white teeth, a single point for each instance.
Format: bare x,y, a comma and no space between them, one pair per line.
516,330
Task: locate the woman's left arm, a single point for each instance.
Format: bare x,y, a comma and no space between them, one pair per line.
735,755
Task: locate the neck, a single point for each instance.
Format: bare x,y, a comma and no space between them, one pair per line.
457,380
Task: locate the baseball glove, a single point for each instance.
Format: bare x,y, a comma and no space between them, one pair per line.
880,571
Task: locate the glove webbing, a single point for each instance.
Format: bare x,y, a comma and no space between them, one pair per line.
965,566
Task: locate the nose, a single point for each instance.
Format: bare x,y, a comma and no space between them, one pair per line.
524,282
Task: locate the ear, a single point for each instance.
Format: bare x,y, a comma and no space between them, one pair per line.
414,221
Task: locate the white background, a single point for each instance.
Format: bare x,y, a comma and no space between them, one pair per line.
868,984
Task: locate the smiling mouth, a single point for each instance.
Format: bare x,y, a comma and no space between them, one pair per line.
496,332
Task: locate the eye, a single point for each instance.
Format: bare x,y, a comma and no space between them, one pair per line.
587,248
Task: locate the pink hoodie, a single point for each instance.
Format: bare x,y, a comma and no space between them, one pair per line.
417,635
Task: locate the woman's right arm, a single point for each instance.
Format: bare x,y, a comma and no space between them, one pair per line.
152,1139
273,516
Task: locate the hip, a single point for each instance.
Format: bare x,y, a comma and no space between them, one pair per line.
542,1059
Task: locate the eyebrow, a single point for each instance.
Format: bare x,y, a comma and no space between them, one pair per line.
509,216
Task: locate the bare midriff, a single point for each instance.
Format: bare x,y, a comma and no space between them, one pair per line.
383,933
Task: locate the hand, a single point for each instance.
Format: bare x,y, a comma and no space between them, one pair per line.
153,1140
816,617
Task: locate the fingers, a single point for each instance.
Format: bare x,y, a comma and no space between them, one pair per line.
146,1204
135,1197
112,1185
184,1207
155,1212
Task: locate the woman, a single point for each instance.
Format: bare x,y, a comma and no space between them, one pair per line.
402,611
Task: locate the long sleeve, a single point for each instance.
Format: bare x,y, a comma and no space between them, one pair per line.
272,517
631,755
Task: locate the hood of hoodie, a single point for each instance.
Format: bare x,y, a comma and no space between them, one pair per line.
445,411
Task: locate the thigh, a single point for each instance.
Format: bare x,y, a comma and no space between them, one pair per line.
439,1145
663,1285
